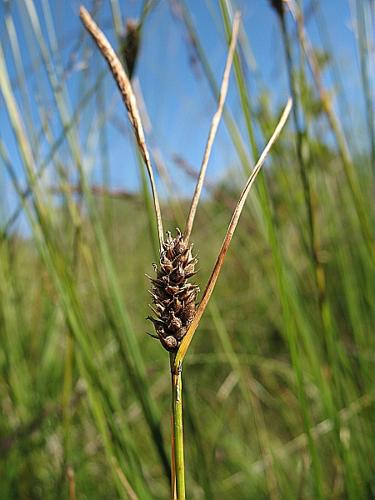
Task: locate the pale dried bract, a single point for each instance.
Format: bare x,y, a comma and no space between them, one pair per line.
173,296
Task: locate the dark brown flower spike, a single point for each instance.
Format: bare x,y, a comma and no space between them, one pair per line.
173,295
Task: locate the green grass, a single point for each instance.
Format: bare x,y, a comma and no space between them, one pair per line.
279,382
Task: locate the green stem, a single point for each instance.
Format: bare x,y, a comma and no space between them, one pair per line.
178,432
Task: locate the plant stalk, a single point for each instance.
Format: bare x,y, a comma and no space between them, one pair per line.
178,435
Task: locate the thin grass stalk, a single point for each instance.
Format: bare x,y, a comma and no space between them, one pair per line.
213,128
21,76
117,20
364,49
301,143
164,176
70,345
178,435
243,93
101,105
17,373
335,66
147,199
227,116
173,458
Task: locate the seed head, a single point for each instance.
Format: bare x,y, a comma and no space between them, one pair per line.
173,296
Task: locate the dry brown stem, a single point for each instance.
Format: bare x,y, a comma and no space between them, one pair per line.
129,99
213,129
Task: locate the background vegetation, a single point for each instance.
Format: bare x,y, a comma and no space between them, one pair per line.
279,384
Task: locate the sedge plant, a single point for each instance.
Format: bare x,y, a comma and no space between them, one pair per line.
176,313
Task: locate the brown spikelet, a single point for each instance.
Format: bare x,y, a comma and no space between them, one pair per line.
129,46
173,296
278,5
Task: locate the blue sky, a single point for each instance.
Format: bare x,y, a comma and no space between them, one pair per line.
177,97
